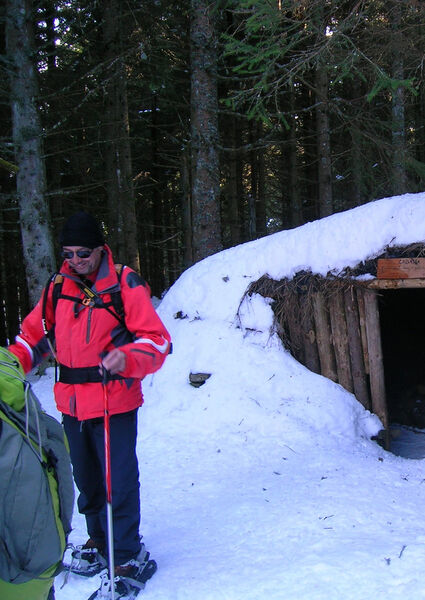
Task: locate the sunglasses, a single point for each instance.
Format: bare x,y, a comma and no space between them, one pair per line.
80,253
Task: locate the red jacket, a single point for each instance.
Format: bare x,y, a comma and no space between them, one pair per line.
85,334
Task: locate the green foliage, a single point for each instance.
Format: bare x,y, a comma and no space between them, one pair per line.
416,166
274,46
386,83
270,53
263,49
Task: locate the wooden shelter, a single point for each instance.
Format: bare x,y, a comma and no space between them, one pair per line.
356,329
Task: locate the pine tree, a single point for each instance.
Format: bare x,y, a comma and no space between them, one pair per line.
27,135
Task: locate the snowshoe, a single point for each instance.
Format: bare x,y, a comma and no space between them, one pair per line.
130,579
86,560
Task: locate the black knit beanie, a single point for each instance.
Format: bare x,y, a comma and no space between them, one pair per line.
81,229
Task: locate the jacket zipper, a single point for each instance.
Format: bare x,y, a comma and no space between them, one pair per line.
88,325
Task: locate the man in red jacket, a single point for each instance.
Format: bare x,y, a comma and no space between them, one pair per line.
90,335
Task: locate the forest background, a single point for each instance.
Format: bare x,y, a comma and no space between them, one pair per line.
192,126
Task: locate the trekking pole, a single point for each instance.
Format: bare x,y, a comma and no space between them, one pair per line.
108,483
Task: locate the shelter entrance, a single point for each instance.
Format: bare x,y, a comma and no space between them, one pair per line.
367,334
402,323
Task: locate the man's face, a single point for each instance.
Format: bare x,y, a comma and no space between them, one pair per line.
86,264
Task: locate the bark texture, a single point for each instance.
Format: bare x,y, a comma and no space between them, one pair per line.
27,137
204,132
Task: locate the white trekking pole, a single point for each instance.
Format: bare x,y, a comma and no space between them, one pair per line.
108,480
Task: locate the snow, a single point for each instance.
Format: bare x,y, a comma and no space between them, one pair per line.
264,482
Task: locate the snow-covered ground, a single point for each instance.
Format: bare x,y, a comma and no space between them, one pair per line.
264,484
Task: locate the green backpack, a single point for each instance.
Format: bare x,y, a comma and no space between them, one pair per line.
36,485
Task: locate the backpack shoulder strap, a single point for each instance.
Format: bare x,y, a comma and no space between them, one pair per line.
116,298
57,280
57,288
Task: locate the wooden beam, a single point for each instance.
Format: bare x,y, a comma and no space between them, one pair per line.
296,340
393,284
340,339
310,346
358,371
362,323
323,336
377,380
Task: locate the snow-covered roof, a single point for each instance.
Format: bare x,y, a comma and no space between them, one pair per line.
214,287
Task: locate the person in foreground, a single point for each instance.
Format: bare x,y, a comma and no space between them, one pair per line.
107,337
36,489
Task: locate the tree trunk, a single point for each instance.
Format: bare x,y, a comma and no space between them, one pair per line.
294,187
48,12
261,213
323,142
252,197
156,248
397,106
233,181
356,159
27,136
258,183
122,212
204,131
186,211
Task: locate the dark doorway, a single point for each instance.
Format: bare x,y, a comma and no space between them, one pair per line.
402,318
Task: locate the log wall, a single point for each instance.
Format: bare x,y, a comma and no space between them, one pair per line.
332,325
338,335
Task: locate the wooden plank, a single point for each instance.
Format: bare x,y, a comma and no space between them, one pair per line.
362,323
340,340
296,339
358,371
401,268
393,284
377,380
309,339
323,335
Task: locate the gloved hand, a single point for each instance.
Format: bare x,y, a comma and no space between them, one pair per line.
12,390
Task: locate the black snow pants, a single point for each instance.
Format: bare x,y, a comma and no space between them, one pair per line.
86,442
